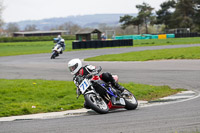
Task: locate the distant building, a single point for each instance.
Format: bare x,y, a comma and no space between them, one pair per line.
178,30
39,33
88,34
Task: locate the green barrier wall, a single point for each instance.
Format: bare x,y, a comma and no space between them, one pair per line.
170,35
143,36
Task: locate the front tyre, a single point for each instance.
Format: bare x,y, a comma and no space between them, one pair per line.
96,103
130,100
53,55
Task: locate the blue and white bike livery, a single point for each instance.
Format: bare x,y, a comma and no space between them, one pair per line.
58,48
102,97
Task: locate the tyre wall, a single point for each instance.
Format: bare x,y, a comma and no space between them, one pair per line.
101,43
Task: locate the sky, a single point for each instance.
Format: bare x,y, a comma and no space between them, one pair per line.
19,10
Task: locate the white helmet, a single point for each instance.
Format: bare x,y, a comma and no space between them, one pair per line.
59,36
74,65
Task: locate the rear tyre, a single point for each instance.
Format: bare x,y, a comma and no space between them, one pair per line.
130,100
96,103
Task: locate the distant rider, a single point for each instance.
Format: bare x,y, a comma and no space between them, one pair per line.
59,40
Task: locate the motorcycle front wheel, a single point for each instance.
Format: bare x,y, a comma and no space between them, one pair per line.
96,103
53,55
130,100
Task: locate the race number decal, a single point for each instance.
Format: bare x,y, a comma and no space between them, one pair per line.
84,85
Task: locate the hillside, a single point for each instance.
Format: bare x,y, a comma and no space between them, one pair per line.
82,20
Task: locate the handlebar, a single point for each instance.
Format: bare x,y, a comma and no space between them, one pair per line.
91,74
80,78
98,69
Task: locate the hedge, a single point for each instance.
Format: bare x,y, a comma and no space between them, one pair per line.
32,39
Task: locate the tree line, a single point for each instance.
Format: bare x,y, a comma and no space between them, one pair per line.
173,14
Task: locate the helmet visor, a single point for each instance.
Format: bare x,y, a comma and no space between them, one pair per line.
72,68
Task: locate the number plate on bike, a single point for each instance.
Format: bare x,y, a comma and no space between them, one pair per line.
84,85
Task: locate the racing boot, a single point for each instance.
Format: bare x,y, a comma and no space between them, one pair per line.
118,87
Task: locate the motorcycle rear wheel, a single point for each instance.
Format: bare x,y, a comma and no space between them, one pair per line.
130,100
96,103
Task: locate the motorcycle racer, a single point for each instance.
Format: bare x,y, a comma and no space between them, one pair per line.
59,40
76,69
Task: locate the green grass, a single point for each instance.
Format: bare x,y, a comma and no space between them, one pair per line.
21,48
18,96
177,53
150,92
28,96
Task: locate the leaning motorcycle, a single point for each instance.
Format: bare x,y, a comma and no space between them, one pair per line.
101,96
57,49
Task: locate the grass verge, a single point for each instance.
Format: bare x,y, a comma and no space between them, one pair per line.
22,48
176,53
28,96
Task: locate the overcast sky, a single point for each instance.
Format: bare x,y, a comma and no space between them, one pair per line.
18,10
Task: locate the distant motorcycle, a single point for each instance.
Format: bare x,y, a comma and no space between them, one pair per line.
102,97
58,48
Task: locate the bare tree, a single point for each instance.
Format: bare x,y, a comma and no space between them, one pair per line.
70,27
103,27
30,28
12,27
1,11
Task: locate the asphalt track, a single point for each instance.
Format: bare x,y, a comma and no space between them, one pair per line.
169,118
